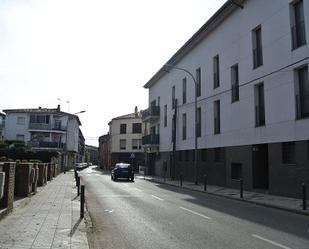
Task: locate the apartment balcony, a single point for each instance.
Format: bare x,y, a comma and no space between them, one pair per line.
151,139
302,105
151,114
46,145
46,127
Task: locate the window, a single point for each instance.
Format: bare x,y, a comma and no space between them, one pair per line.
184,90
57,124
137,128
165,115
204,155
217,155
302,99
136,144
257,47
288,153
298,29
158,100
259,105
198,123
217,117
123,128
173,97
20,137
184,126
216,71
198,82
123,144
236,171
235,83
158,128
21,120
39,119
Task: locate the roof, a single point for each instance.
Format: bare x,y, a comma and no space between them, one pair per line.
127,116
226,9
2,114
43,111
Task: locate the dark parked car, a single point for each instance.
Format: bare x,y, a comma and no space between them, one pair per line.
122,170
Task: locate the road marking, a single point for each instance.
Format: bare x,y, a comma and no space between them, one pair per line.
270,241
193,212
157,197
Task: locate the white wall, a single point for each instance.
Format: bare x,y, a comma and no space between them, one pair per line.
12,129
116,136
233,42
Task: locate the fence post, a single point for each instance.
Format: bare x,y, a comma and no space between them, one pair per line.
180,177
82,201
304,196
205,182
241,181
78,185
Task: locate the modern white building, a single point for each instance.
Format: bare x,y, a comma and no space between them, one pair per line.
45,129
250,63
126,139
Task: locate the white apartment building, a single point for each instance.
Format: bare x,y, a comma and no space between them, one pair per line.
250,62
126,139
45,129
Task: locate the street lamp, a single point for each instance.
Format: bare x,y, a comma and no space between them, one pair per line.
195,105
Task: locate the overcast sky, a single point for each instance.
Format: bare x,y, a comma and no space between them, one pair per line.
94,54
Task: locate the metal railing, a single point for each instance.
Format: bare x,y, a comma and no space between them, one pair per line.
43,144
152,111
39,126
151,139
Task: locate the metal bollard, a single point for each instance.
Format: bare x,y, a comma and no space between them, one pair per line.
180,178
304,196
164,176
144,174
241,181
82,201
205,182
78,185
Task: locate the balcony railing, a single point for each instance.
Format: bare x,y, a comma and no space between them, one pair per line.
153,112
43,144
41,126
151,139
302,105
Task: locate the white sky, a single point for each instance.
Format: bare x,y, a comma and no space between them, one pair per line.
96,54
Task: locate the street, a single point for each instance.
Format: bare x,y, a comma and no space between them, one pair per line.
144,214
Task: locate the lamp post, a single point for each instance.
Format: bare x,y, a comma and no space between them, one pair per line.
66,139
195,107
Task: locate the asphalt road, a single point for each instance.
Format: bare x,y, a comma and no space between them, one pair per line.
144,215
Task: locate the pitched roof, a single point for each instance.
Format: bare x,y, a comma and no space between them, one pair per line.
127,116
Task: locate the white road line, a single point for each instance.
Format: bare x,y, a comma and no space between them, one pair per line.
157,197
193,212
270,241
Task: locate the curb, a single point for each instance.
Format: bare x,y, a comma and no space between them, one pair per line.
290,210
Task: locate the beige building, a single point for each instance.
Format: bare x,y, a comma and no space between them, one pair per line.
126,139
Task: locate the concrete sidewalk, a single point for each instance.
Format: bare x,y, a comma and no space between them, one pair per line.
49,220
279,202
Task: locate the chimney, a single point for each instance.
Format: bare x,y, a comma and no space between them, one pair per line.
136,111
40,107
58,108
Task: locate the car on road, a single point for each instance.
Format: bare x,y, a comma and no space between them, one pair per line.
122,170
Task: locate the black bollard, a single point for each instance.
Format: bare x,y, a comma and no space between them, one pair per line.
164,176
78,185
205,182
304,196
241,182
82,201
180,178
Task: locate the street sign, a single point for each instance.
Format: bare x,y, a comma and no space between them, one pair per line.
132,155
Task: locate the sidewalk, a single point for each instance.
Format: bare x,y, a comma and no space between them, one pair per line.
49,220
279,202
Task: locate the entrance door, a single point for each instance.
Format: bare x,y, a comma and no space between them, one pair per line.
260,166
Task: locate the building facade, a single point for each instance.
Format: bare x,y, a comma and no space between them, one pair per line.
249,75
104,152
2,123
92,154
45,129
126,139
